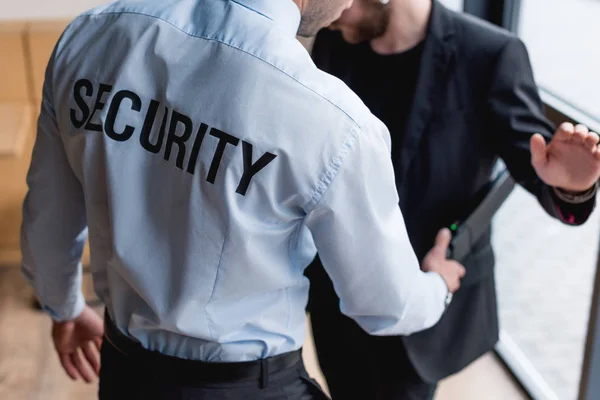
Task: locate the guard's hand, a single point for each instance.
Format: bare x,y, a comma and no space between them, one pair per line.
435,261
571,161
82,336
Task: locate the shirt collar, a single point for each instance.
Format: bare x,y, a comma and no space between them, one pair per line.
284,13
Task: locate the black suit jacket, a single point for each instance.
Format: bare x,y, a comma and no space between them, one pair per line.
475,100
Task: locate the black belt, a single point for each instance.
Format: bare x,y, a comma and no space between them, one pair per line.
194,372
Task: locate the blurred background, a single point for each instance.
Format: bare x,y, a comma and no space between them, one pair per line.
547,300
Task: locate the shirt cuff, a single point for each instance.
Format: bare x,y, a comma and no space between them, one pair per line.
442,286
576,198
441,290
573,213
69,312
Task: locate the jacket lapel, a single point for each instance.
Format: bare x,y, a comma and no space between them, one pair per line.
438,51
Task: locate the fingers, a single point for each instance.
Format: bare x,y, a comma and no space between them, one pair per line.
453,284
452,272
539,153
458,273
442,241
565,131
76,368
581,133
81,367
67,364
591,141
462,271
90,351
98,342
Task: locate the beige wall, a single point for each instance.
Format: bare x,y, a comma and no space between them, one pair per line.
45,9
25,47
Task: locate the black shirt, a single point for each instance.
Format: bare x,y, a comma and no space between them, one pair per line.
385,83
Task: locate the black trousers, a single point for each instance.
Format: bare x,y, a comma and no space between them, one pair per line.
132,375
357,365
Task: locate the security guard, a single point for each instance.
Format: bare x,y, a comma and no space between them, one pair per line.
210,159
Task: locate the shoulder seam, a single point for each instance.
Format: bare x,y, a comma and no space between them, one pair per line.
228,45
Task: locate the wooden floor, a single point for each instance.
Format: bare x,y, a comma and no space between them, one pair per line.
29,369
485,379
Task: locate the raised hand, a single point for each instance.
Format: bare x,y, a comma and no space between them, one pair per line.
571,161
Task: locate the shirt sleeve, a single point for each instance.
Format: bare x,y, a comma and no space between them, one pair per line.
362,241
53,230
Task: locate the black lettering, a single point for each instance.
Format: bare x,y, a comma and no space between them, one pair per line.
99,106
251,169
109,126
83,107
180,140
147,128
224,139
196,148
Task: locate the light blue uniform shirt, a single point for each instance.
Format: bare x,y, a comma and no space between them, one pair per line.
209,159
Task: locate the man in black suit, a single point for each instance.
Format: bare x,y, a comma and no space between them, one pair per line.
456,94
